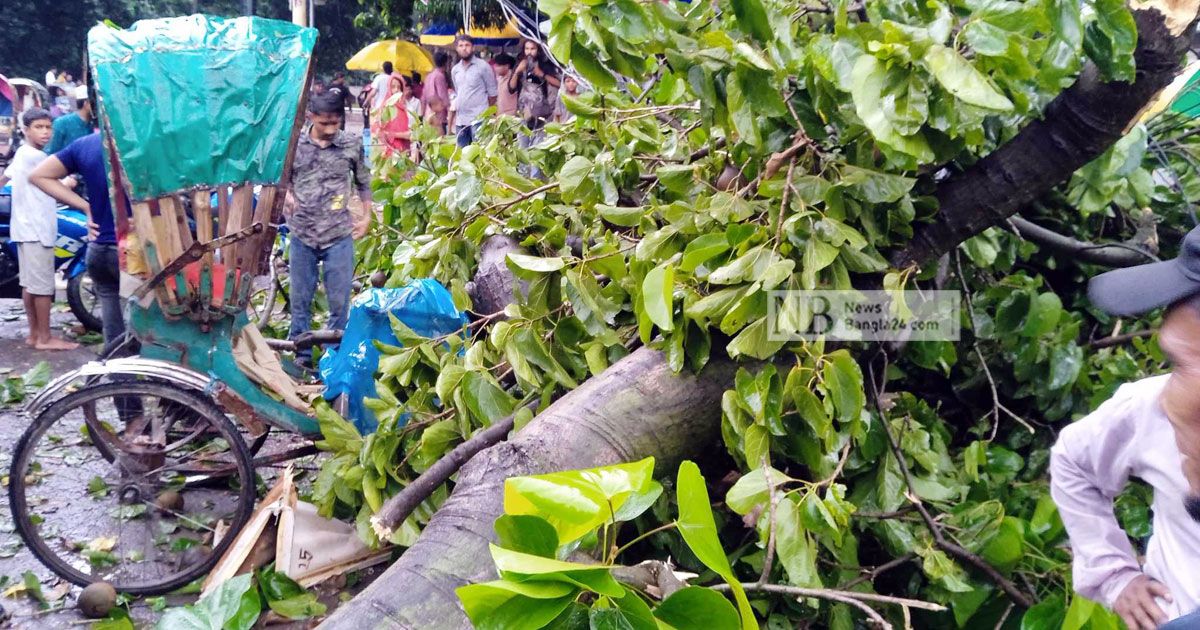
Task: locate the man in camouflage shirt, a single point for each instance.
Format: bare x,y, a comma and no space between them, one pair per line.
323,230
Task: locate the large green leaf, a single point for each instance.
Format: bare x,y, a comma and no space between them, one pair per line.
868,81
699,531
844,380
524,567
698,607
527,534
658,289
961,79
797,550
234,605
752,18
509,605
287,598
577,502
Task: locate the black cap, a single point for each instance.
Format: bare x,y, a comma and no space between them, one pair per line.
1136,290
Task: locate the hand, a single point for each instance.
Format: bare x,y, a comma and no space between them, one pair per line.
1136,605
360,229
93,230
70,182
289,204
521,66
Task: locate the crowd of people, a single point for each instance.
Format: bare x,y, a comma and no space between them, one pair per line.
457,94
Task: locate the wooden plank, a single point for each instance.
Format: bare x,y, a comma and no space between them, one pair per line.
239,219
202,212
144,226
185,231
166,241
259,249
222,213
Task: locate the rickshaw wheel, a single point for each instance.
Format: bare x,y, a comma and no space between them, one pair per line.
155,517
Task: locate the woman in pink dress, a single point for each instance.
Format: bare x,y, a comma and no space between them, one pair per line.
392,121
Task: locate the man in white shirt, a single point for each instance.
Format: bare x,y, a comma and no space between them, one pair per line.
34,228
1150,430
379,86
474,90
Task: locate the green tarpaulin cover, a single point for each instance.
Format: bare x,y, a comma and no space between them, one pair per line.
200,101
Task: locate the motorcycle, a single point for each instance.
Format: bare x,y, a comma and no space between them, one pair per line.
69,253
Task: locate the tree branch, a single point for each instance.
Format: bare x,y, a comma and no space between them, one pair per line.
393,512
1107,254
825,593
1078,125
940,541
1116,340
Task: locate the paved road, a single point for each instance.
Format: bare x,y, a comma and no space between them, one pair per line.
15,559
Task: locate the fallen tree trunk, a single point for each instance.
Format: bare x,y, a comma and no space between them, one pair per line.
635,409
1078,125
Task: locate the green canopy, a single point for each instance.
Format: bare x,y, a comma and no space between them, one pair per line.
1188,101
200,101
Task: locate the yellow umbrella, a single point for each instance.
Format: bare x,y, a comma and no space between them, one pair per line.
406,57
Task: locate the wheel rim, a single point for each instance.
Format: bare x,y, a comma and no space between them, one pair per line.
90,518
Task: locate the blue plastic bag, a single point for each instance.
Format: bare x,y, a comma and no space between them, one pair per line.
424,305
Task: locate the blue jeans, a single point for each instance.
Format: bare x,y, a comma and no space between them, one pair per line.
1186,622
466,133
105,271
337,269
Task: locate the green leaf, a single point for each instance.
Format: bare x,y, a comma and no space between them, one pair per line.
961,79
741,111
677,177
986,39
117,619
1044,313
591,68
658,291
1078,613
509,605
1111,38
752,18
867,82
486,400
621,216
753,490
234,605
577,502
336,432
796,549
702,249
876,186
1065,364
37,376
97,488
698,607
528,534
844,380
523,567
1047,614
1006,546
537,263
639,502
574,175
756,341
699,531
287,598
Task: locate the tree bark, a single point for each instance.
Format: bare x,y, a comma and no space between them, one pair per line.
494,286
635,409
1079,125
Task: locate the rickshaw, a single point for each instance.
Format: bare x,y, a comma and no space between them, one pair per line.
140,471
